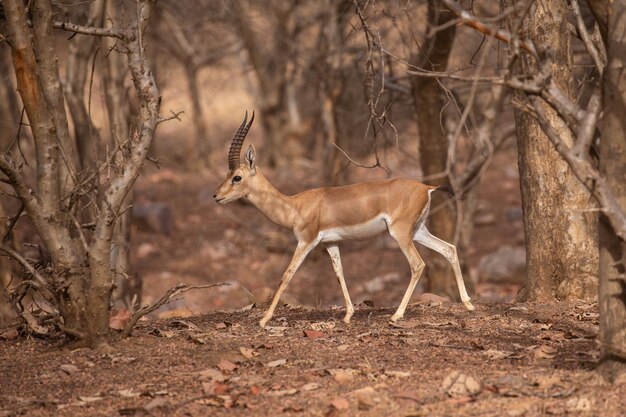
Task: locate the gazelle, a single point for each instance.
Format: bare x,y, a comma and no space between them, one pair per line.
330,215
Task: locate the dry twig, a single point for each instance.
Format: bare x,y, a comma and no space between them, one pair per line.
167,298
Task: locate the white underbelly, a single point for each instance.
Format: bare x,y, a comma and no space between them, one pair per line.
365,230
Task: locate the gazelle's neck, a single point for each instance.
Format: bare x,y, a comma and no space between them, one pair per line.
271,202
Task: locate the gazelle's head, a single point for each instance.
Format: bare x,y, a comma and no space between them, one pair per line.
240,175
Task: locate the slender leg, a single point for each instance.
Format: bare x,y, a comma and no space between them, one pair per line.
402,235
333,251
302,250
423,236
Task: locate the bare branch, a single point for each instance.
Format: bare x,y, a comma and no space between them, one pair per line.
25,193
377,164
467,19
165,299
19,258
587,129
598,59
93,31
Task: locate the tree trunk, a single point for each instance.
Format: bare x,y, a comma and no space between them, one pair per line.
79,62
283,138
128,284
560,223
433,143
201,142
612,297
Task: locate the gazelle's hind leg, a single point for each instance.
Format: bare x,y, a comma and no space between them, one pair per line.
423,236
333,251
402,235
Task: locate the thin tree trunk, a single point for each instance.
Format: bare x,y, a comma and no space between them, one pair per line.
560,223
612,297
283,139
81,49
202,146
433,144
128,284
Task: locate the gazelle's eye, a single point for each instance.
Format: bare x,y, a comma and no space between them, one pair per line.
236,178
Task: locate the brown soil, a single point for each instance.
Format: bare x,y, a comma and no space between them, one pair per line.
523,360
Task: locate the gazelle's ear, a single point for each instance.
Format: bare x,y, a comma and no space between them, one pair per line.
250,159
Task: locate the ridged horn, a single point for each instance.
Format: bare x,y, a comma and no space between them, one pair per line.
234,155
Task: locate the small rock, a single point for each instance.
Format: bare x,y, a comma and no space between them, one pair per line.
367,397
506,264
431,299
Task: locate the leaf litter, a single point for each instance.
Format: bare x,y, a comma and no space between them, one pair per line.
366,368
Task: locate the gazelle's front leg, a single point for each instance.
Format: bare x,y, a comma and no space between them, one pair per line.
302,250
333,251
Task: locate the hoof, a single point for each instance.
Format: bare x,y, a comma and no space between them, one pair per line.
469,306
346,319
395,318
262,323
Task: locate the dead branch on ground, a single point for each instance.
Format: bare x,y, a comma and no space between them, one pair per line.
167,298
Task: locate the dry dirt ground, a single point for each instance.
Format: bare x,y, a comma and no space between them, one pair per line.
501,360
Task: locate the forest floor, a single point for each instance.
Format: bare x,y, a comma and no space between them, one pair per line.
206,355
500,360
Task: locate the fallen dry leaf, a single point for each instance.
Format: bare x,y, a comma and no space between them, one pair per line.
405,324
86,399
183,324
118,318
494,354
69,369
366,397
282,392
340,404
248,353
211,374
215,388
155,403
276,363
398,374
343,376
323,326
545,352
458,384
10,334
314,334
578,404
226,366
311,386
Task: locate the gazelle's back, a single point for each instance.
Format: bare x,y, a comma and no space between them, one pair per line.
355,204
